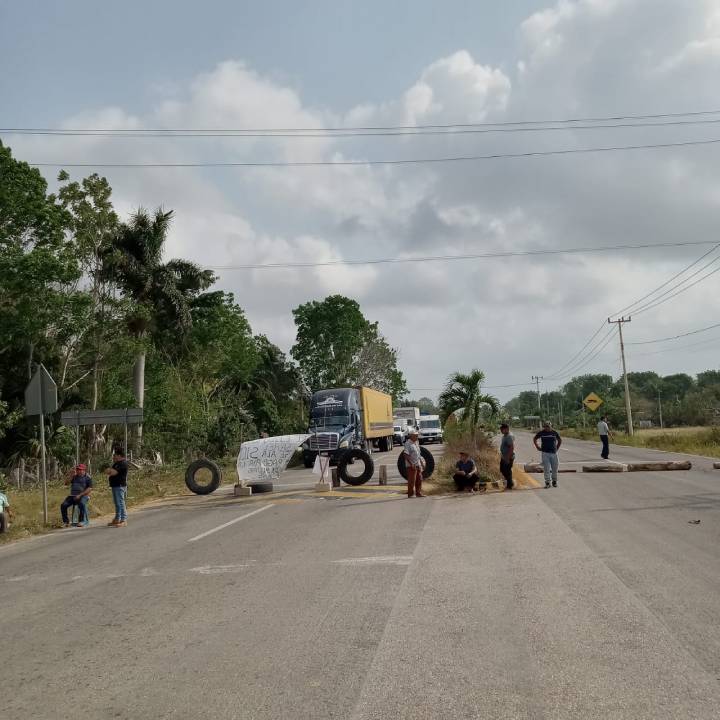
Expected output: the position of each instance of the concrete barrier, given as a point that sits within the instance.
(604, 468)
(654, 466)
(382, 477)
(538, 468)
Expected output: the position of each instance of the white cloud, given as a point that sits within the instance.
(512, 317)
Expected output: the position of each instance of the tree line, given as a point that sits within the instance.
(679, 398)
(93, 298)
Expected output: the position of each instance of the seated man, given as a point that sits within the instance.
(466, 474)
(5, 513)
(80, 488)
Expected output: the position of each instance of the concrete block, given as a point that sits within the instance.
(242, 491)
(533, 468)
(603, 468)
(323, 487)
(663, 465)
(382, 477)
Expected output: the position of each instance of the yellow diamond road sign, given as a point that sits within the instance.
(592, 402)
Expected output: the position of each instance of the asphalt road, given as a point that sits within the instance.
(597, 599)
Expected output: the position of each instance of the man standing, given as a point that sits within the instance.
(413, 465)
(605, 435)
(80, 488)
(548, 442)
(118, 484)
(507, 455)
(466, 474)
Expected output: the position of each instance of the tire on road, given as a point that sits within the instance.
(197, 487)
(429, 463)
(260, 487)
(350, 457)
(3, 522)
(385, 444)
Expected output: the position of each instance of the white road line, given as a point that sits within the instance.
(231, 522)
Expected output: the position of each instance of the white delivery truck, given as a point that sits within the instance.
(430, 429)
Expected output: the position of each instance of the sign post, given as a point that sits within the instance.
(40, 399)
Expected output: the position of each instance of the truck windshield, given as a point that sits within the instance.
(322, 420)
(429, 423)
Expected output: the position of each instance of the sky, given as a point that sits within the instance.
(281, 64)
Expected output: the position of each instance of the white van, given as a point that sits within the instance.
(430, 429)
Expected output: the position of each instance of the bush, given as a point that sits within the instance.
(479, 445)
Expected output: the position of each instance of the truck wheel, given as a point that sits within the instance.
(385, 444)
(260, 487)
(3, 522)
(308, 463)
(429, 463)
(197, 486)
(348, 458)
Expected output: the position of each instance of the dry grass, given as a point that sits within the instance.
(144, 485)
(691, 440)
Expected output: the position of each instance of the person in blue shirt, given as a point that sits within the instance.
(80, 488)
(548, 442)
(466, 474)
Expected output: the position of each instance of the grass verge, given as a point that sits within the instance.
(144, 485)
(694, 441)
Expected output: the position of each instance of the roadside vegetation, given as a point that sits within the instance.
(694, 441)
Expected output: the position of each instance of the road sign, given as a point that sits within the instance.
(122, 416)
(41, 393)
(592, 402)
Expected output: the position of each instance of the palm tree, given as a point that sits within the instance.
(161, 293)
(464, 392)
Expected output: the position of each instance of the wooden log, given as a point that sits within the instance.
(335, 477)
(533, 468)
(663, 465)
(603, 468)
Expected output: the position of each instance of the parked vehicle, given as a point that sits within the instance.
(400, 431)
(430, 429)
(344, 419)
(410, 414)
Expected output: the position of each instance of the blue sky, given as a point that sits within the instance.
(337, 53)
(321, 64)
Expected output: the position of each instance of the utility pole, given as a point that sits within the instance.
(660, 409)
(620, 322)
(537, 379)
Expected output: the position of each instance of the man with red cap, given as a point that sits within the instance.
(80, 488)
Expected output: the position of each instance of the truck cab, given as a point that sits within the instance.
(430, 429)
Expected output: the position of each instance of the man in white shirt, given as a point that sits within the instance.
(605, 435)
(413, 465)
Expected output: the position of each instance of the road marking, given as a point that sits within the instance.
(217, 569)
(377, 560)
(227, 524)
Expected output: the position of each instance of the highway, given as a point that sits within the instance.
(597, 599)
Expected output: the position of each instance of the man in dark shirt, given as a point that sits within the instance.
(80, 488)
(548, 442)
(507, 455)
(466, 474)
(117, 475)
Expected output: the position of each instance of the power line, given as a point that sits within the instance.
(408, 161)
(589, 357)
(349, 133)
(435, 258)
(506, 123)
(675, 337)
(675, 294)
(572, 360)
(702, 343)
(667, 282)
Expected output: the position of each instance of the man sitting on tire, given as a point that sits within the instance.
(414, 464)
(5, 513)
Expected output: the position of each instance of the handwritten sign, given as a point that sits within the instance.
(266, 458)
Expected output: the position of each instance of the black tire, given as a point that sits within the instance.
(429, 463)
(198, 488)
(384, 445)
(349, 457)
(3, 522)
(260, 487)
(308, 463)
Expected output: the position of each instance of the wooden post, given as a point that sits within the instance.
(335, 478)
(383, 475)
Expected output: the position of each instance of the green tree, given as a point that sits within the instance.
(337, 346)
(464, 392)
(161, 293)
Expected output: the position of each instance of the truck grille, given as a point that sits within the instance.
(324, 441)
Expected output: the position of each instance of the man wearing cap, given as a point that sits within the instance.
(413, 465)
(80, 488)
(466, 474)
